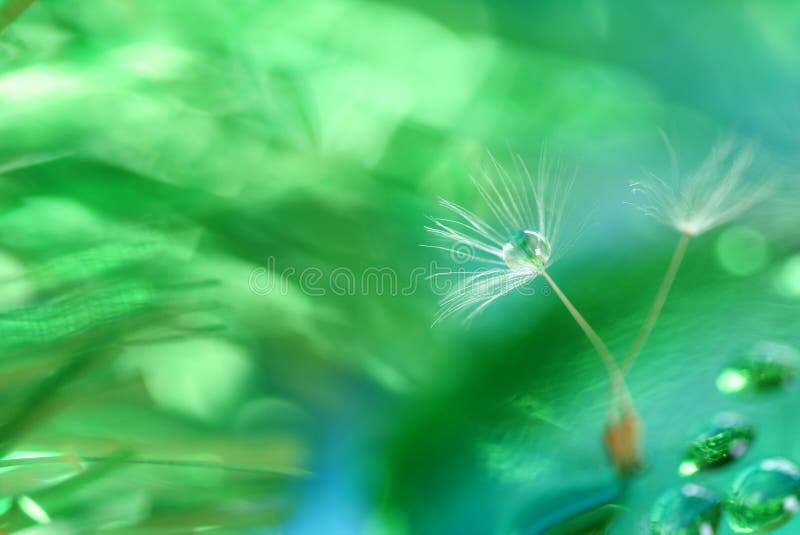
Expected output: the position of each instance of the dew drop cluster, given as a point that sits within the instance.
(765, 494)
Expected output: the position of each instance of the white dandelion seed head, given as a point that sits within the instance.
(513, 246)
(713, 194)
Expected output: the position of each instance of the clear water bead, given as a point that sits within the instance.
(527, 251)
(689, 510)
(769, 366)
(570, 511)
(596, 520)
(727, 439)
(764, 496)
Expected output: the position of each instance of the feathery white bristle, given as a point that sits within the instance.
(715, 193)
(516, 203)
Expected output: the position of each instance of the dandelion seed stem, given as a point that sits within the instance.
(658, 303)
(622, 429)
(618, 388)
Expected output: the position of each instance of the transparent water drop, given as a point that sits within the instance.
(764, 496)
(727, 439)
(689, 510)
(527, 251)
(597, 520)
(572, 511)
(768, 366)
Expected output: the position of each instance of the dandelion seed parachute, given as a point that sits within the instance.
(713, 194)
(515, 248)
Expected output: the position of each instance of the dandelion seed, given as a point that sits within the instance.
(515, 248)
(715, 193)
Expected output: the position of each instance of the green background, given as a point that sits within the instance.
(155, 154)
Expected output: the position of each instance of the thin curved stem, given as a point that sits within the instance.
(622, 432)
(618, 387)
(12, 10)
(658, 303)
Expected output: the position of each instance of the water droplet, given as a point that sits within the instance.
(527, 251)
(764, 496)
(596, 520)
(727, 439)
(767, 367)
(689, 510)
(574, 511)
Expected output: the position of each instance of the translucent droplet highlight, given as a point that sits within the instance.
(689, 510)
(728, 438)
(764, 496)
(768, 366)
(527, 251)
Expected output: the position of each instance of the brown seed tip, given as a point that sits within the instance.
(623, 442)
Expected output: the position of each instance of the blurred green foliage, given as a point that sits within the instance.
(155, 155)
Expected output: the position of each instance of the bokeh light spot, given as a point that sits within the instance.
(15, 288)
(741, 250)
(788, 280)
(731, 381)
(35, 511)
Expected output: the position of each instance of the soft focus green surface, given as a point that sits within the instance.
(162, 161)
